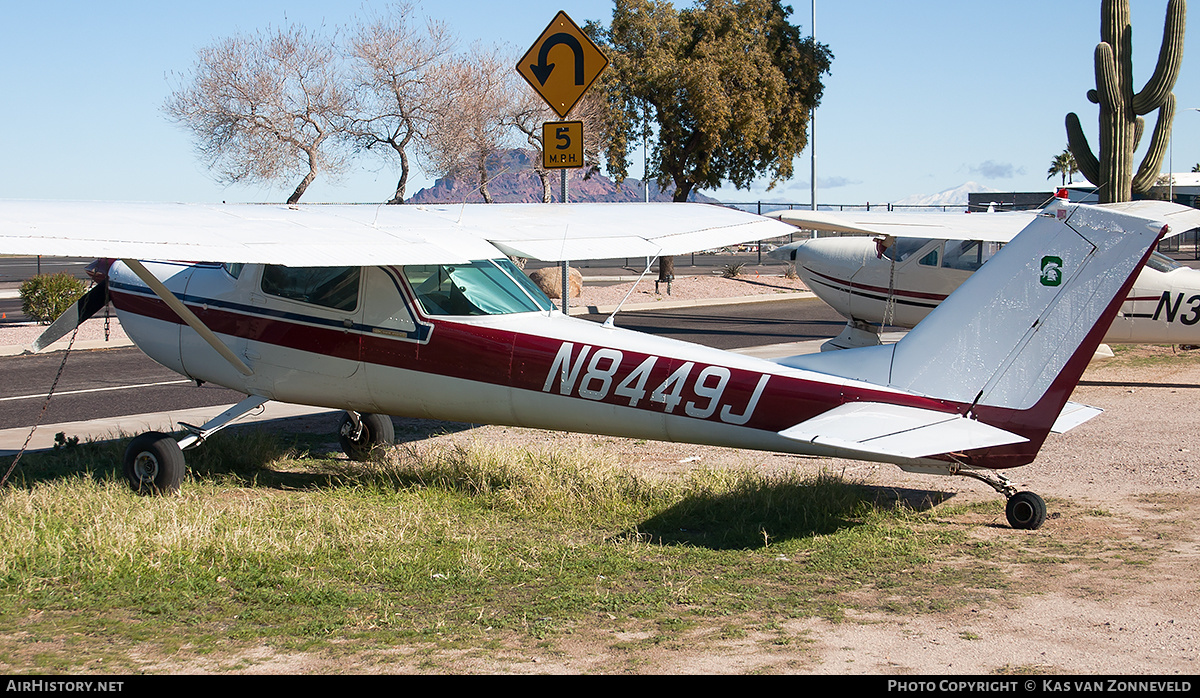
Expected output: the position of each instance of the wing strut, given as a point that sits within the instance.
(187, 316)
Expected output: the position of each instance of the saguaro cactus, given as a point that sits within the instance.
(1121, 110)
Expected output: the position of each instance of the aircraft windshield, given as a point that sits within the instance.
(485, 287)
(1161, 262)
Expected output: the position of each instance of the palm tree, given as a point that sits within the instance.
(1063, 164)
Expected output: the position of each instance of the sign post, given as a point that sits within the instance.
(561, 66)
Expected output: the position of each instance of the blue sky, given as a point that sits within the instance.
(923, 96)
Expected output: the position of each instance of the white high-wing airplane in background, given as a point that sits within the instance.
(416, 311)
(900, 266)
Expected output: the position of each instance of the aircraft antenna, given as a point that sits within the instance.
(565, 267)
(649, 263)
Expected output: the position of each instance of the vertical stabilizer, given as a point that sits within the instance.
(1005, 336)
(1008, 346)
(1013, 341)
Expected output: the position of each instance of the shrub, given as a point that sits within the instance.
(45, 297)
(732, 271)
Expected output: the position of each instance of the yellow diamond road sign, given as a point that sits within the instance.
(562, 64)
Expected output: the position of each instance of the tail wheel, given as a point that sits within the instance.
(1026, 510)
(154, 464)
(377, 431)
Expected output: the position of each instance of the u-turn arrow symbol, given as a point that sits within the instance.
(541, 70)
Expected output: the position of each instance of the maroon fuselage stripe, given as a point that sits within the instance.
(939, 297)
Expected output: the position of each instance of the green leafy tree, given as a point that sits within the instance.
(45, 297)
(724, 90)
(1063, 164)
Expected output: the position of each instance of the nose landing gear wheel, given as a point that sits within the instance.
(359, 437)
(154, 464)
(1026, 510)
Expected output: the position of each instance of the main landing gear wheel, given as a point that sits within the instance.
(154, 464)
(1026, 510)
(359, 435)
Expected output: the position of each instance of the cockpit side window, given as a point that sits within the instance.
(907, 247)
(329, 287)
(968, 255)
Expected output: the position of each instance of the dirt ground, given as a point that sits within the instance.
(1139, 461)
(1118, 613)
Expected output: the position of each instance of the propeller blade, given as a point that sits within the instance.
(87, 305)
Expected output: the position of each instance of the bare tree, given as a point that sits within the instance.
(398, 81)
(266, 107)
(530, 112)
(474, 122)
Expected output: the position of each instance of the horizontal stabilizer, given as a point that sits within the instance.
(1073, 414)
(897, 431)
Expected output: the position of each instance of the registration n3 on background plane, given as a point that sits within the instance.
(416, 311)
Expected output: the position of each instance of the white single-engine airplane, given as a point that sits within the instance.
(410, 310)
(908, 263)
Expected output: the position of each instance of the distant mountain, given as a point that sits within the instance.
(518, 183)
(950, 197)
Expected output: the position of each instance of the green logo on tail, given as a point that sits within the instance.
(1052, 271)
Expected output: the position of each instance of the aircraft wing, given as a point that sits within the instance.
(1180, 218)
(559, 232)
(990, 227)
(370, 235)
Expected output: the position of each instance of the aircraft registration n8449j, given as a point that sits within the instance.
(900, 266)
(416, 311)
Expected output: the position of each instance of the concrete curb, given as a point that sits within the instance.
(108, 428)
(668, 304)
(19, 350)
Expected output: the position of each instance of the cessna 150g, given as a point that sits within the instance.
(408, 310)
(909, 262)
